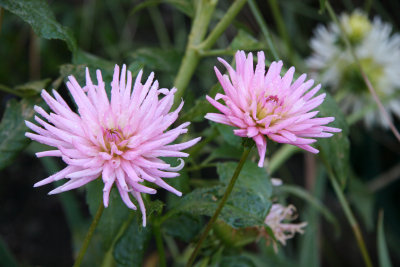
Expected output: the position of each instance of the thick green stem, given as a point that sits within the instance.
(89, 235)
(204, 11)
(222, 25)
(263, 26)
(160, 244)
(228, 191)
(352, 220)
(196, 46)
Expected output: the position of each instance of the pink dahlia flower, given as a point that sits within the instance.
(120, 140)
(267, 105)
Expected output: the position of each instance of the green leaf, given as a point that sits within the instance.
(335, 151)
(225, 152)
(251, 177)
(201, 106)
(383, 252)
(38, 14)
(32, 88)
(185, 6)
(12, 128)
(183, 226)
(244, 207)
(113, 216)
(131, 247)
(226, 132)
(245, 41)
(157, 59)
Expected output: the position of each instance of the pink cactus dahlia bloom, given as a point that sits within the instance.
(267, 105)
(120, 140)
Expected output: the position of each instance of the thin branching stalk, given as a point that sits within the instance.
(224, 198)
(89, 235)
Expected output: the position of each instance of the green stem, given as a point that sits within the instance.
(263, 26)
(228, 191)
(196, 44)
(222, 24)
(89, 235)
(159, 243)
(204, 11)
(352, 220)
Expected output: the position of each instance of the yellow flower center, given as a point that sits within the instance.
(358, 25)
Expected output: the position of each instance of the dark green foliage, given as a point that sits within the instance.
(131, 247)
(38, 14)
(12, 128)
(244, 207)
(335, 151)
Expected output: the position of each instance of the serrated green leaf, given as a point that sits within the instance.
(131, 247)
(183, 226)
(335, 151)
(38, 14)
(12, 128)
(245, 41)
(158, 59)
(244, 208)
(251, 176)
(383, 252)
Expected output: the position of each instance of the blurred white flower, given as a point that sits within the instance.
(279, 220)
(379, 55)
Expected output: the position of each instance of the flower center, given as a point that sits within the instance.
(268, 107)
(114, 141)
(113, 135)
